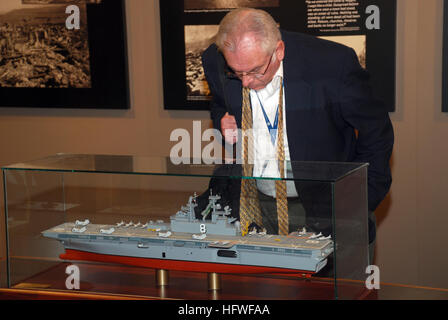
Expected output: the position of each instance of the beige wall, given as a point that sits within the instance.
(412, 242)
(413, 219)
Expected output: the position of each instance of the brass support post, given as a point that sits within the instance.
(214, 282)
(161, 277)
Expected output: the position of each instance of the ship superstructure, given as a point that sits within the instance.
(220, 223)
(191, 244)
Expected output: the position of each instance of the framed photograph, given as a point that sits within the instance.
(63, 54)
(189, 26)
(445, 59)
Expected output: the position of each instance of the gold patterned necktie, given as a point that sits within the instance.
(249, 205)
(280, 185)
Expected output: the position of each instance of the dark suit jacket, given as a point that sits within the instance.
(327, 97)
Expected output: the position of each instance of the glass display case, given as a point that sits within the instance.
(145, 227)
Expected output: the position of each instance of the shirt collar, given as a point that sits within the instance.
(275, 84)
(277, 80)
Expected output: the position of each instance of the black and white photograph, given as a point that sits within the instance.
(68, 2)
(37, 49)
(357, 43)
(187, 30)
(197, 39)
(445, 60)
(207, 5)
(61, 54)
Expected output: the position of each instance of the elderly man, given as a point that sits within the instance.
(313, 92)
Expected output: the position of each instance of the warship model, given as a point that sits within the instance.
(187, 243)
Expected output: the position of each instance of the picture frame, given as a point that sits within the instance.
(184, 22)
(445, 59)
(47, 65)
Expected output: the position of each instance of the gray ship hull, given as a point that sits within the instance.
(215, 253)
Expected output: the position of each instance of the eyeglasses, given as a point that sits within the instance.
(238, 75)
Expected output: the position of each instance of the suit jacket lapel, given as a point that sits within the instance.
(234, 91)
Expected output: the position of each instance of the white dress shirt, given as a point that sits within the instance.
(265, 153)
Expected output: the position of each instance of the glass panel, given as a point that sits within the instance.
(35, 201)
(101, 213)
(3, 256)
(351, 234)
(309, 171)
(108, 199)
(316, 199)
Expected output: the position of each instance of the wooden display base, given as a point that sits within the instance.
(106, 281)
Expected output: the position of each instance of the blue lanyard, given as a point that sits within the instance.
(272, 129)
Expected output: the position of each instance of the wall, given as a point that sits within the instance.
(411, 242)
(27, 134)
(412, 220)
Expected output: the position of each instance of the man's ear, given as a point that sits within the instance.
(280, 50)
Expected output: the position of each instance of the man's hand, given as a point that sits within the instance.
(229, 129)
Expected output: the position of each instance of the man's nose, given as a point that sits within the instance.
(246, 80)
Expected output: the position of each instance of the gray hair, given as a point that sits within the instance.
(248, 21)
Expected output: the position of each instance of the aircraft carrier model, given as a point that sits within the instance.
(186, 243)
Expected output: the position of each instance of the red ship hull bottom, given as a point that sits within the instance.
(177, 265)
